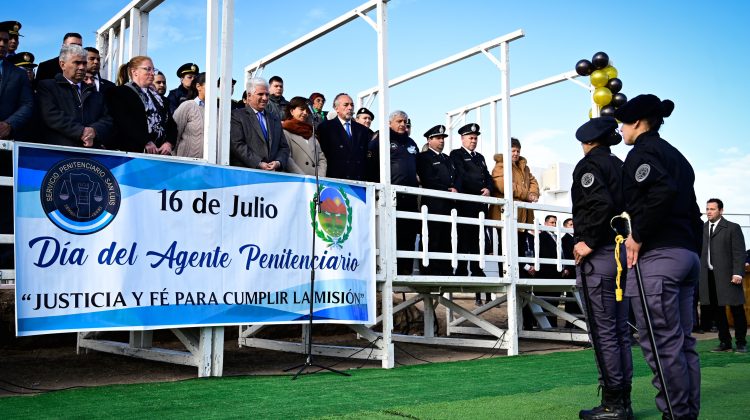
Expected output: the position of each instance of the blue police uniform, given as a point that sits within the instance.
(660, 198)
(403, 172)
(472, 177)
(597, 197)
(436, 172)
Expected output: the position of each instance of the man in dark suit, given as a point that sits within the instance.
(16, 109)
(93, 66)
(73, 113)
(48, 69)
(344, 142)
(722, 268)
(257, 140)
(436, 172)
(473, 178)
(548, 249)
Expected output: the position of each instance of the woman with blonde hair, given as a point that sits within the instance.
(142, 120)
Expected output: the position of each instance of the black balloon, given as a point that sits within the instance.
(614, 85)
(600, 60)
(619, 99)
(584, 67)
(607, 111)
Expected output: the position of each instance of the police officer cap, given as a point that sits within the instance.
(436, 131)
(364, 110)
(644, 106)
(24, 59)
(11, 26)
(187, 68)
(602, 130)
(469, 129)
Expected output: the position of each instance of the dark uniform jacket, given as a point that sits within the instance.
(177, 96)
(347, 158)
(129, 115)
(249, 148)
(403, 160)
(659, 195)
(472, 176)
(16, 98)
(596, 193)
(64, 114)
(436, 172)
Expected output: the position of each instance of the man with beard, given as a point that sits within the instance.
(93, 66)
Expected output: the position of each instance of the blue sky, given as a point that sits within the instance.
(694, 53)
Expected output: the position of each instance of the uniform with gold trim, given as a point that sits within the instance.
(24, 60)
(436, 172)
(180, 93)
(472, 177)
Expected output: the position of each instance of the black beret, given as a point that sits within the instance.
(22, 59)
(188, 68)
(436, 131)
(469, 129)
(644, 106)
(364, 110)
(11, 26)
(602, 130)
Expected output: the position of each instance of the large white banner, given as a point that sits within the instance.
(109, 241)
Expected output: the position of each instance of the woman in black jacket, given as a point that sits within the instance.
(141, 117)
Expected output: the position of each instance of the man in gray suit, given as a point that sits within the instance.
(256, 139)
(722, 267)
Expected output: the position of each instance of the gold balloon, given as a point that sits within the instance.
(611, 72)
(602, 96)
(599, 78)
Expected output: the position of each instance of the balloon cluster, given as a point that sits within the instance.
(604, 79)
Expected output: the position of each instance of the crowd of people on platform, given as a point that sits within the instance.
(67, 102)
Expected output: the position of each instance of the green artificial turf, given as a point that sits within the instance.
(526, 387)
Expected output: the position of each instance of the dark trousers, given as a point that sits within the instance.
(6, 211)
(468, 243)
(719, 313)
(439, 240)
(669, 276)
(406, 233)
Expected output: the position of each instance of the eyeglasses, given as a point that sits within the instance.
(147, 69)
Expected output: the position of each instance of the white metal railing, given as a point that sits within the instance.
(7, 275)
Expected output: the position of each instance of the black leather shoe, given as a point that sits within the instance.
(741, 348)
(721, 348)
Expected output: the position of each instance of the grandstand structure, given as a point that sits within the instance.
(126, 35)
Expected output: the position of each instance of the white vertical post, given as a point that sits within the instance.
(143, 38)
(389, 241)
(210, 117)
(227, 45)
(493, 128)
(511, 237)
(111, 64)
(121, 51)
(135, 33)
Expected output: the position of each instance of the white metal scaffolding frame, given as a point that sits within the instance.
(205, 345)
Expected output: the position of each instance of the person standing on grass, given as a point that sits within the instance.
(597, 197)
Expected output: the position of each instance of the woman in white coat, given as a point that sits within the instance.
(306, 154)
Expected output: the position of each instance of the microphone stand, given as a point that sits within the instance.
(316, 198)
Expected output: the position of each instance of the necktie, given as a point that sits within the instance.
(473, 154)
(710, 234)
(262, 121)
(348, 129)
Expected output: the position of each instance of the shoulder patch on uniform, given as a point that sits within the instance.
(642, 172)
(587, 180)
